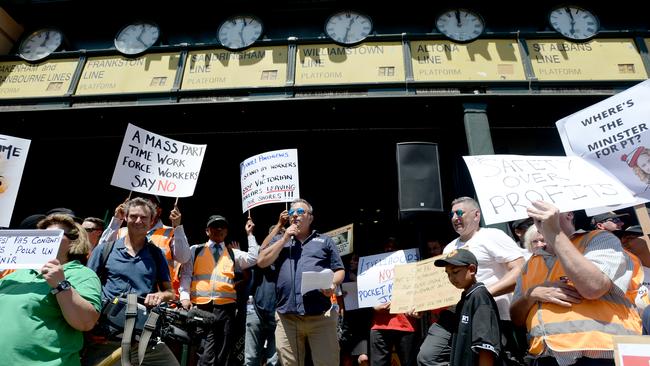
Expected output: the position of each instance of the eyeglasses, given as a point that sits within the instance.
(299, 211)
(90, 230)
(615, 220)
(458, 213)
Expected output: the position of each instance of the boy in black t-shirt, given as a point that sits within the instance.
(478, 315)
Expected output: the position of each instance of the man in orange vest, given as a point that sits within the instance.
(208, 282)
(572, 295)
(170, 239)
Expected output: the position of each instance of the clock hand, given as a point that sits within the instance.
(458, 18)
(241, 33)
(573, 21)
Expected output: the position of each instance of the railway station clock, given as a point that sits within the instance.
(460, 25)
(239, 32)
(348, 27)
(137, 37)
(40, 44)
(574, 22)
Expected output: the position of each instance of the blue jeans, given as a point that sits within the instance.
(258, 332)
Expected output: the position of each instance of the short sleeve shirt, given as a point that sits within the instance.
(34, 331)
(478, 327)
(316, 253)
(138, 274)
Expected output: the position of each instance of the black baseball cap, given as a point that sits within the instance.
(634, 229)
(459, 257)
(65, 211)
(214, 220)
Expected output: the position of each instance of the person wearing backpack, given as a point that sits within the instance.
(132, 264)
(208, 282)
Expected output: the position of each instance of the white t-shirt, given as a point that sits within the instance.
(493, 249)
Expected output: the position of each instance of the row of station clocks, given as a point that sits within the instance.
(345, 28)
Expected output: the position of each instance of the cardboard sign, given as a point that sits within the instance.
(28, 248)
(13, 154)
(269, 177)
(343, 239)
(154, 164)
(507, 184)
(422, 286)
(375, 275)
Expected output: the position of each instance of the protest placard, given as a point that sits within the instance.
(28, 248)
(507, 184)
(154, 164)
(613, 135)
(13, 154)
(343, 239)
(422, 286)
(269, 177)
(632, 350)
(375, 275)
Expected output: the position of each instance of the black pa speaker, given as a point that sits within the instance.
(419, 178)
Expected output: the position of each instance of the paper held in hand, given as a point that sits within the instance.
(316, 280)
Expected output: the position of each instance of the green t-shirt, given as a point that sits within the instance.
(31, 323)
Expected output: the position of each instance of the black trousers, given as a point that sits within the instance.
(382, 342)
(216, 347)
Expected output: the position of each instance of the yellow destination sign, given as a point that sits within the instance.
(598, 59)
(47, 79)
(489, 60)
(366, 63)
(222, 69)
(117, 74)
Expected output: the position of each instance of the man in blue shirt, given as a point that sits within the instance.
(134, 265)
(304, 317)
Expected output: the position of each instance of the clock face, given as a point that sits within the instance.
(136, 38)
(239, 32)
(40, 44)
(348, 27)
(574, 22)
(460, 25)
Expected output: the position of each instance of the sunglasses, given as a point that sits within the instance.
(299, 211)
(458, 213)
(90, 230)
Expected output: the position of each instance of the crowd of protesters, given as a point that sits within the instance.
(554, 296)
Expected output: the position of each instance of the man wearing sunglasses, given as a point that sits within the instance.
(499, 261)
(609, 221)
(307, 317)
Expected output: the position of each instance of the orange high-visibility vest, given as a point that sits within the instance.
(213, 281)
(162, 238)
(636, 281)
(588, 325)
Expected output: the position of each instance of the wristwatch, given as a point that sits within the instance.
(62, 286)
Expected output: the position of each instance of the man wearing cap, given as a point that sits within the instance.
(572, 296)
(609, 221)
(208, 282)
(170, 239)
(500, 261)
(309, 317)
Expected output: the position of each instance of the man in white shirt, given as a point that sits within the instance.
(500, 261)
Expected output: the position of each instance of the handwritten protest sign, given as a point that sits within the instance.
(632, 350)
(507, 184)
(613, 134)
(342, 238)
(269, 177)
(13, 154)
(151, 163)
(28, 248)
(422, 286)
(375, 275)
